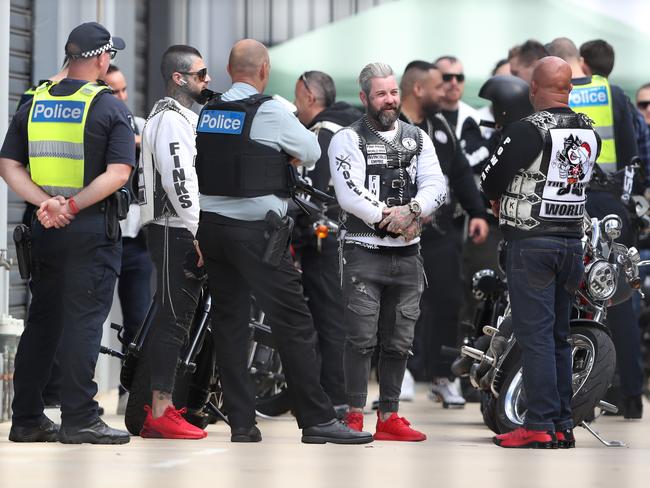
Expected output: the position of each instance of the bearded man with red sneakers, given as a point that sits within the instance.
(528, 179)
(386, 175)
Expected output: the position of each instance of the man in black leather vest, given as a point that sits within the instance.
(244, 142)
(442, 238)
(386, 175)
(536, 180)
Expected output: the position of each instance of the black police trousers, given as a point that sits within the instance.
(233, 250)
(73, 277)
(621, 319)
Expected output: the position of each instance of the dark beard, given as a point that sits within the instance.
(383, 119)
(431, 108)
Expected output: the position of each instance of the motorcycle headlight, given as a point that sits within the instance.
(484, 282)
(601, 280)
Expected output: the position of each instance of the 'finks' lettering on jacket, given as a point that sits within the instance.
(178, 176)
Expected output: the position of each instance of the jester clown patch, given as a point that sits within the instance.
(573, 162)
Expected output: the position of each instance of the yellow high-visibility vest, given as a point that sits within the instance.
(55, 130)
(595, 101)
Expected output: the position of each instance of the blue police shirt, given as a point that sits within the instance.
(272, 126)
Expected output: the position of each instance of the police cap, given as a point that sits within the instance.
(91, 39)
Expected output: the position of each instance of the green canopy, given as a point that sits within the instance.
(479, 32)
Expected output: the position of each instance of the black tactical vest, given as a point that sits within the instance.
(549, 197)
(391, 168)
(228, 162)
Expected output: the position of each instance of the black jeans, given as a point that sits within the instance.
(621, 319)
(383, 294)
(73, 278)
(178, 282)
(543, 275)
(232, 250)
(440, 304)
(325, 300)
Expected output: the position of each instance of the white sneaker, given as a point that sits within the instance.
(447, 392)
(408, 388)
(122, 400)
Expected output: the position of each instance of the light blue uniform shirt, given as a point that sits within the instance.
(272, 126)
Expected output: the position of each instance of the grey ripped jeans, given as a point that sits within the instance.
(382, 290)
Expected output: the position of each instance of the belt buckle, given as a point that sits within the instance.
(390, 200)
(401, 183)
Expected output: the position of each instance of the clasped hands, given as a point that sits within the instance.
(55, 212)
(400, 220)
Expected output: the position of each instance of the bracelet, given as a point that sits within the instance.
(195, 242)
(73, 206)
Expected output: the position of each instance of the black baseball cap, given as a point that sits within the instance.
(91, 39)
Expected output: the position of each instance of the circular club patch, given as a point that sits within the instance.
(441, 137)
(409, 143)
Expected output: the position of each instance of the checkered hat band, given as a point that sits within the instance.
(98, 51)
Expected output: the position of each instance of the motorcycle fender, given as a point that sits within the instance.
(590, 324)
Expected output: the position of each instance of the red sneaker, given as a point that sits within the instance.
(354, 420)
(396, 428)
(522, 438)
(171, 425)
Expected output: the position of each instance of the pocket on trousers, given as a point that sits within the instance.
(575, 274)
(362, 309)
(410, 313)
(539, 266)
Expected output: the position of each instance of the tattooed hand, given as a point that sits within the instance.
(396, 219)
(412, 231)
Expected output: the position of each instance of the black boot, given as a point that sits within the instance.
(632, 407)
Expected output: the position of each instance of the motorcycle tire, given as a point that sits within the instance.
(488, 409)
(274, 405)
(591, 345)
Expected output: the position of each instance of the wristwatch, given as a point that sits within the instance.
(415, 208)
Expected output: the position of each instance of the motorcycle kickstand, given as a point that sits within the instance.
(612, 443)
(215, 410)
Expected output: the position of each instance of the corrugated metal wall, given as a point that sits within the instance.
(20, 78)
(139, 93)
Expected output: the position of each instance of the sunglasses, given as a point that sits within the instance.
(643, 104)
(200, 74)
(112, 53)
(460, 77)
(303, 78)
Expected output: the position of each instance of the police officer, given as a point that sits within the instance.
(76, 139)
(244, 143)
(607, 106)
(422, 88)
(539, 158)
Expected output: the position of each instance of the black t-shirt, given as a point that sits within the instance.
(108, 137)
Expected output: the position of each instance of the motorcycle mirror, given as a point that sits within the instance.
(612, 226)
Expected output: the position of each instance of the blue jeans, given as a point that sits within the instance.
(543, 274)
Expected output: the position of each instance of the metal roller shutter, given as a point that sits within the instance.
(20, 79)
(140, 104)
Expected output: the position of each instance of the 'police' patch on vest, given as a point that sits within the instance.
(595, 95)
(58, 111)
(221, 122)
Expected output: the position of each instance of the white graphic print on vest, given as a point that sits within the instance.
(573, 156)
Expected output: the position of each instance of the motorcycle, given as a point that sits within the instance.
(493, 360)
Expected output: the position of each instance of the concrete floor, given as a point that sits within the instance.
(457, 453)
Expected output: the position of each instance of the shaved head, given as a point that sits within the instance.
(246, 58)
(551, 83)
(564, 48)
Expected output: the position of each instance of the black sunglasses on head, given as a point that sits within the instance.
(303, 78)
(643, 104)
(460, 77)
(200, 74)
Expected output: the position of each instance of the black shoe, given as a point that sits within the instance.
(47, 431)
(335, 432)
(245, 434)
(100, 411)
(632, 407)
(565, 439)
(97, 432)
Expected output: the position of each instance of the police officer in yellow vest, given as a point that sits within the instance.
(68, 152)
(607, 106)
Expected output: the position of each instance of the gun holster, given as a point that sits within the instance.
(279, 235)
(23, 242)
(117, 208)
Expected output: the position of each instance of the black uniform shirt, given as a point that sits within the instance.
(108, 137)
